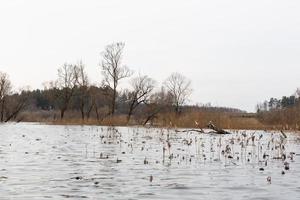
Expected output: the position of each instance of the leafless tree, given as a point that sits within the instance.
(113, 70)
(159, 102)
(5, 90)
(297, 93)
(142, 87)
(92, 91)
(98, 102)
(83, 86)
(179, 87)
(66, 82)
(10, 104)
(16, 103)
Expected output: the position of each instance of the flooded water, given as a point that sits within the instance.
(77, 162)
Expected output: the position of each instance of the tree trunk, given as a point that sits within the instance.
(62, 112)
(97, 113)
(67, 100)
(113, 101)
(82, 110)
(88, 113)
(177, 109)
(130, 111)
(2, 109)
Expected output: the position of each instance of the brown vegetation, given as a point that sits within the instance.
(202, 118)
(196, 119)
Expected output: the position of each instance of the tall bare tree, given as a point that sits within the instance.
(113, 70)
(142, 87)
(5, 90)
(179, 87)
(66, 82)
(83, 86)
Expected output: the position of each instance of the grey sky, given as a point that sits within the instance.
(237, 53)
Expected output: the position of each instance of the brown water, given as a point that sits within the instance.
(77, 162)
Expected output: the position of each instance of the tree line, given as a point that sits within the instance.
(284, 102)
(284, 112)
(72, 93)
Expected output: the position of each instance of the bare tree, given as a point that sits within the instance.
(5, 90)
(179, 87)
(142, 87)
(16, 103)
(83, 86)
(66, 82)
(99, 101)
(160, 102)
(92, 102)
(113, 70)
(10, 104)
(297, 93)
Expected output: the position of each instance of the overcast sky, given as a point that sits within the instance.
(237, 53)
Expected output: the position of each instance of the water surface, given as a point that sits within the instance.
(91, 162)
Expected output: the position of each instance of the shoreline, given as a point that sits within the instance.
(92, 123)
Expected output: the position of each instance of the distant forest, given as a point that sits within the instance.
(284, 111)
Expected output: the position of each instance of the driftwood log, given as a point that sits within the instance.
(216, 129)
(210, 125)
(190, 130)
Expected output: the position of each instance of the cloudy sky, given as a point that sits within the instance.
(237, 53)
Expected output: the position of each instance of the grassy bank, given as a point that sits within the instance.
(184, 120)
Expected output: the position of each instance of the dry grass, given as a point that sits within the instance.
(286, 119)
(108, 121)
(223, 120)
(185, 120)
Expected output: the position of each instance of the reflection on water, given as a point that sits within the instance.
(78, 162)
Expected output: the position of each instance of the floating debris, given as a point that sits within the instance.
(146, 161)
(151, 178)
(286, 166)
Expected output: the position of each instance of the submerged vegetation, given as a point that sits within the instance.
(93, 161)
